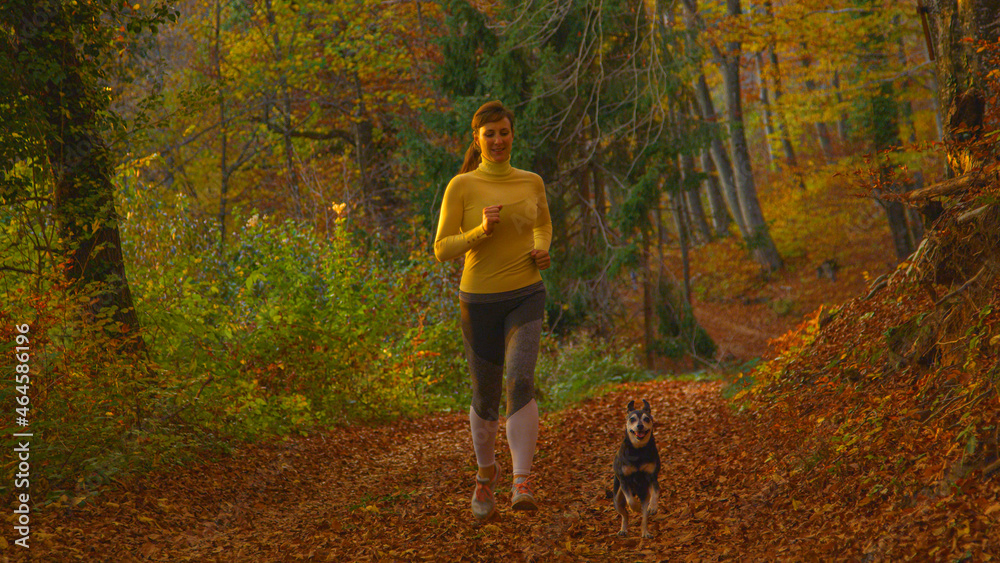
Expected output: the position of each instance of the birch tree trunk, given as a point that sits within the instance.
(716, 203)
(689, 186)
(786, 141)
(719, 155)
(822, 131)
(765, 102)
(760, 243)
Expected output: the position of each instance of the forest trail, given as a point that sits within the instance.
(731, 490)
(399, 492)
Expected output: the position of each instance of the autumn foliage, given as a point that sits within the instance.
(297, 387)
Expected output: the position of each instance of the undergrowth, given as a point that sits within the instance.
(891, 399)
(580, 367)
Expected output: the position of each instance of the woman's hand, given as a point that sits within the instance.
(491, 216)
(541, 258)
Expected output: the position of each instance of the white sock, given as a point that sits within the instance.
(484, 437)
(522, 434)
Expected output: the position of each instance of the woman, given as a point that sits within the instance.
(497, 216)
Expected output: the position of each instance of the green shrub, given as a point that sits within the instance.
(577, 368)
(287, 328)
(281, 329)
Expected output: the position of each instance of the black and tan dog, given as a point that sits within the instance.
(637, 467)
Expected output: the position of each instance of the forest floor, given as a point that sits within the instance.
(740, 486)
(400, 492)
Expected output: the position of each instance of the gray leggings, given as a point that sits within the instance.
(502, 330)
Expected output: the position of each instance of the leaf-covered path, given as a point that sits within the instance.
(400, 492)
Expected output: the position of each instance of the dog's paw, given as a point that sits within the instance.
(622, 533)
(647, 535)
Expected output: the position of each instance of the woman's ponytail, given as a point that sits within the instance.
(472, 158)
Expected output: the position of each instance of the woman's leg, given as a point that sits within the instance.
(523, 329)
(482, 331)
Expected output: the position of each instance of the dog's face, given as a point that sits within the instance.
(639, 424)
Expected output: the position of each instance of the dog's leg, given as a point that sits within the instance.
(645, 519)
(654, 498)
(622, 508)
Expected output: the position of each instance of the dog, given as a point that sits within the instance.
(637, 468)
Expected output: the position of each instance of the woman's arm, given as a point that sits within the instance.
(543, 223)
(451, 242)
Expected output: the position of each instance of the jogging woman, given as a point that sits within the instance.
(498, 218)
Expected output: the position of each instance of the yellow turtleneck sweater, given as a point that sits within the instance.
(500, 261)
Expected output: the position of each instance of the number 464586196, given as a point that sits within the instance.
(21, 354)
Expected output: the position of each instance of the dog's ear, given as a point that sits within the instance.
(645, 407)
(630, 407)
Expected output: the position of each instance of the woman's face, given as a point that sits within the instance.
(495, 139)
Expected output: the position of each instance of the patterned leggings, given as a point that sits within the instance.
(502, 330)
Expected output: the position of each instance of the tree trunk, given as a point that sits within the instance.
(906, 106)
(765, 103)
(600, 200)
(746, 207)
(683, 228)
(716, 203)
(960, 66)
(223, 128)
(291, 170)
(719, 155)
(362, 148)
(586, 211)
(648, 307)
(822, 131)
(693, 198)
(884, 112)
(760, 243)
(843, 125)
(896, 214)
(914, 217)
(82, 170)
(786, 141)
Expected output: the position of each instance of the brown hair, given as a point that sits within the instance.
(487, 113)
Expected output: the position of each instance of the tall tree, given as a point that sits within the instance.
(58, 57)
(716, 203)
(957, 29)
(727, 57)
(880, 120)
(786, 141)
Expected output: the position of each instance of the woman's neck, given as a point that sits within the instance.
(495, 168)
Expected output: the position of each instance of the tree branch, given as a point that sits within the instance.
(944, 188)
